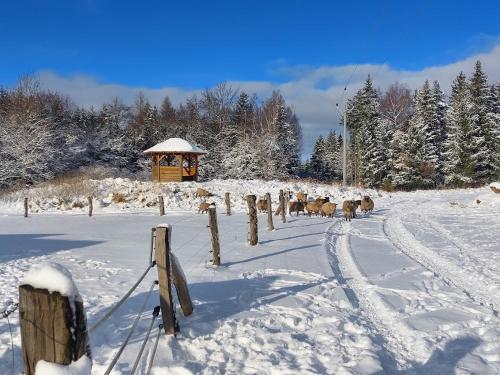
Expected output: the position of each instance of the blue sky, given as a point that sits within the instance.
(177, 48)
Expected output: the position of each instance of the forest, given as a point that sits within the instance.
(407, 140)
(398, 139)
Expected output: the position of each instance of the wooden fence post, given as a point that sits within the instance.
(161, 203)
(162, 255)
(270, 225)
(287, 199)
(228, 204)
(49, 330)
(253, 236)
(282, 206)
(91, 205)
(214, 231)
(26, 207)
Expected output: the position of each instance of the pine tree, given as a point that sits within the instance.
(439, 126)
(316, 168)
(331, 157)
(372, 156)
(420, 142)
(459, 146)
(484, 138)
(242, 161)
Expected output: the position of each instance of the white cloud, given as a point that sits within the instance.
(312, 92)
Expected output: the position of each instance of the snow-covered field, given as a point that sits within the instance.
(411, 288)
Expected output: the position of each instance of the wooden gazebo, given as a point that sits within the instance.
(174, 160)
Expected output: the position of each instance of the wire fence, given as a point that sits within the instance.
(204, 246)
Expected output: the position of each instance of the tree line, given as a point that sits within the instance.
(44, 134)
(404, 140)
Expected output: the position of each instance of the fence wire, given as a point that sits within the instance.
(122, 300)
(156, 312)
(153, 353)
(130, 332)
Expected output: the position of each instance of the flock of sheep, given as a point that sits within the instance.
(319, 206)
(323, 206)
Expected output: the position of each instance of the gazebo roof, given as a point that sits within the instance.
(173, 145)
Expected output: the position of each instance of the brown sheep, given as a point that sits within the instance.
(204, 206)
(367, 204)
(348, 207)
(295, 206)
(313, 208)
(302, 197)
(262, 205)
(328, 209)
(202, 193)
(322, 201)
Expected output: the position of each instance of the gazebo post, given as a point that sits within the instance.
(181, 167)
(196, 167)
(158, 168)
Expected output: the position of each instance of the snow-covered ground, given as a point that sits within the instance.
(411, 288)
(118, 195)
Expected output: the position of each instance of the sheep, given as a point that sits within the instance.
(348, 207)
(357, 204)
(366, 204)
(302, 197)
(295, 206)
(262, 205)
(322, 201)
(204, 206)
(202, 193)
(328, 209)
(313, 208)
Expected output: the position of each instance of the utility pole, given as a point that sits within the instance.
(344, 115)
(344, 169)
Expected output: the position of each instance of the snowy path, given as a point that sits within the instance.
(410, 289)
(432, 303)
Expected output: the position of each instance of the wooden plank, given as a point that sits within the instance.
(162, 257)
(49, 331)
(181, 287)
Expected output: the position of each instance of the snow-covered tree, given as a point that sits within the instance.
(484, 129)
(26, 148)
(459, 164)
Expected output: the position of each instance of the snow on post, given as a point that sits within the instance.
(53, 325)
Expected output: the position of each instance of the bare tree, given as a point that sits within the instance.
(26, 148)
(395, 106)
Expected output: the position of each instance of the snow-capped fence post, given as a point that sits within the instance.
(161, 203)
(53, 324)
(214, 231)
(228, 204)
(162, 257)
(270, 225)
(91, 205)
(26, 207)
(253, 237)
(282, 206)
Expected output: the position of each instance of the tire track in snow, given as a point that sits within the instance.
(448, 272)
(395, 353)
(464, 249)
